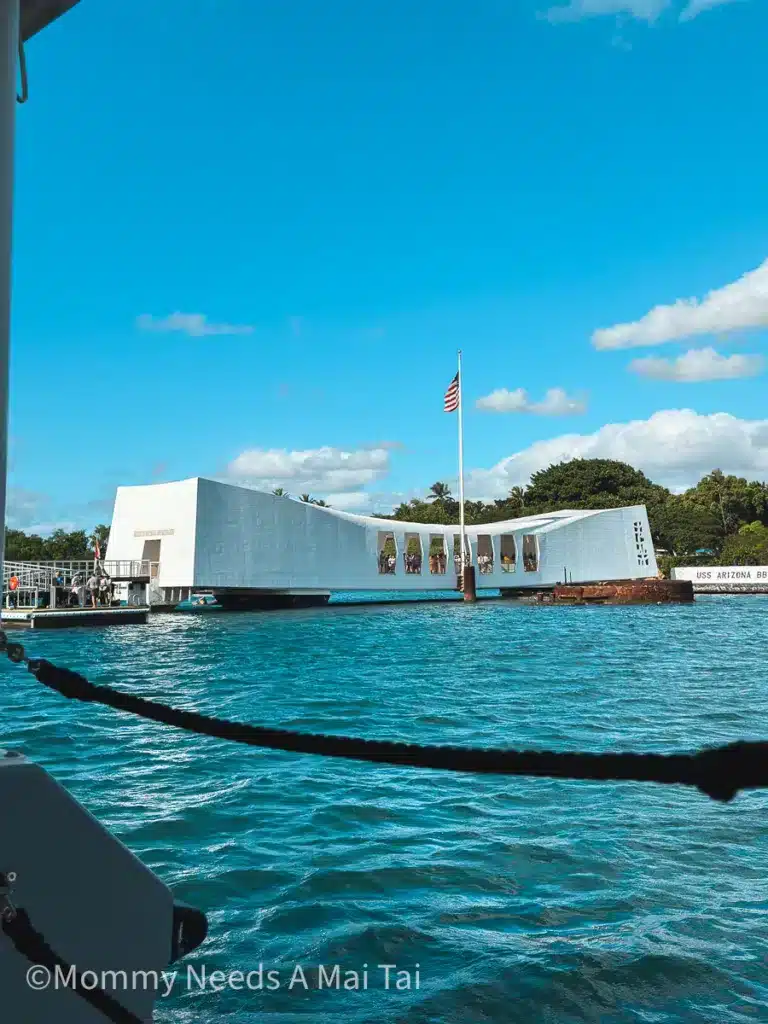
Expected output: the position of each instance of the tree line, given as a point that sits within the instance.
(723, 519)
(59, 547)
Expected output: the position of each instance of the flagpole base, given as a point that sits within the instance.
(470, 592)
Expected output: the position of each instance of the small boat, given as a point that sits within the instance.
(198, 603)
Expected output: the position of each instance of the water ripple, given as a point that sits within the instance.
(519, 900)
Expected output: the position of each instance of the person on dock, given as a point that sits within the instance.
(93, 588)
(77, 592)
(105, 591)
(60, 593)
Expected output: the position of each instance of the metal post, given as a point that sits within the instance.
(9, 48)
(467, 569)
(462, 531)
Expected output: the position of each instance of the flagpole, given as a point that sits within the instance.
(461, 470)
(467, 569)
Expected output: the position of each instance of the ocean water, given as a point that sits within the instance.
(519, 900)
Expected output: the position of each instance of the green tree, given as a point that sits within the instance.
(439, 492)
(59, 547)
(590, 483)
(415, 511)
(101, 534)
(596, 483)
(22, 547)
(752, 528)
(475, 512)
(747, 547)
(684, 529)
(733, 499)
(280, 492)
(515, 502)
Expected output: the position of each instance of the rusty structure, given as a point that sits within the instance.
(650, 591)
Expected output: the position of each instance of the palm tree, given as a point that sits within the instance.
(517, 497)
(439, 492)
(280, 492)
(307, 498)
(320, 502)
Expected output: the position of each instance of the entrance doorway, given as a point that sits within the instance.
(151, 554)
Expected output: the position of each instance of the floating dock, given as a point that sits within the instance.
(66, 618)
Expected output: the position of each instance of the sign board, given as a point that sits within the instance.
(726, 574)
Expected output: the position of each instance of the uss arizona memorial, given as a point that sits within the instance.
(255, 549)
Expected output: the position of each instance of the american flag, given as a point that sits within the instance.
(451, 403)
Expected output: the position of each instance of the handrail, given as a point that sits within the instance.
(42, 573)
(33, 580)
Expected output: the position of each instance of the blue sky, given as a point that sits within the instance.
(249, 239)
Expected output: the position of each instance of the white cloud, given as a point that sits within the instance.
(34, 513)
(23, 507)
(319, 471)
(555, 403)
(699, 364)
(389, 445)
(196, 325)
(698, 6)
(644, 10)
(737, 306)
(351, 501)
(675, 447)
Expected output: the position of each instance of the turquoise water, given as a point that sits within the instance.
(520, 900)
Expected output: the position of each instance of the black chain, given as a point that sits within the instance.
(29, 942)
(720, 772)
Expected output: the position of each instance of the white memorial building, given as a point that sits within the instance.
(253, 549)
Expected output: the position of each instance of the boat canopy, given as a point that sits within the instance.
(35, 15)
